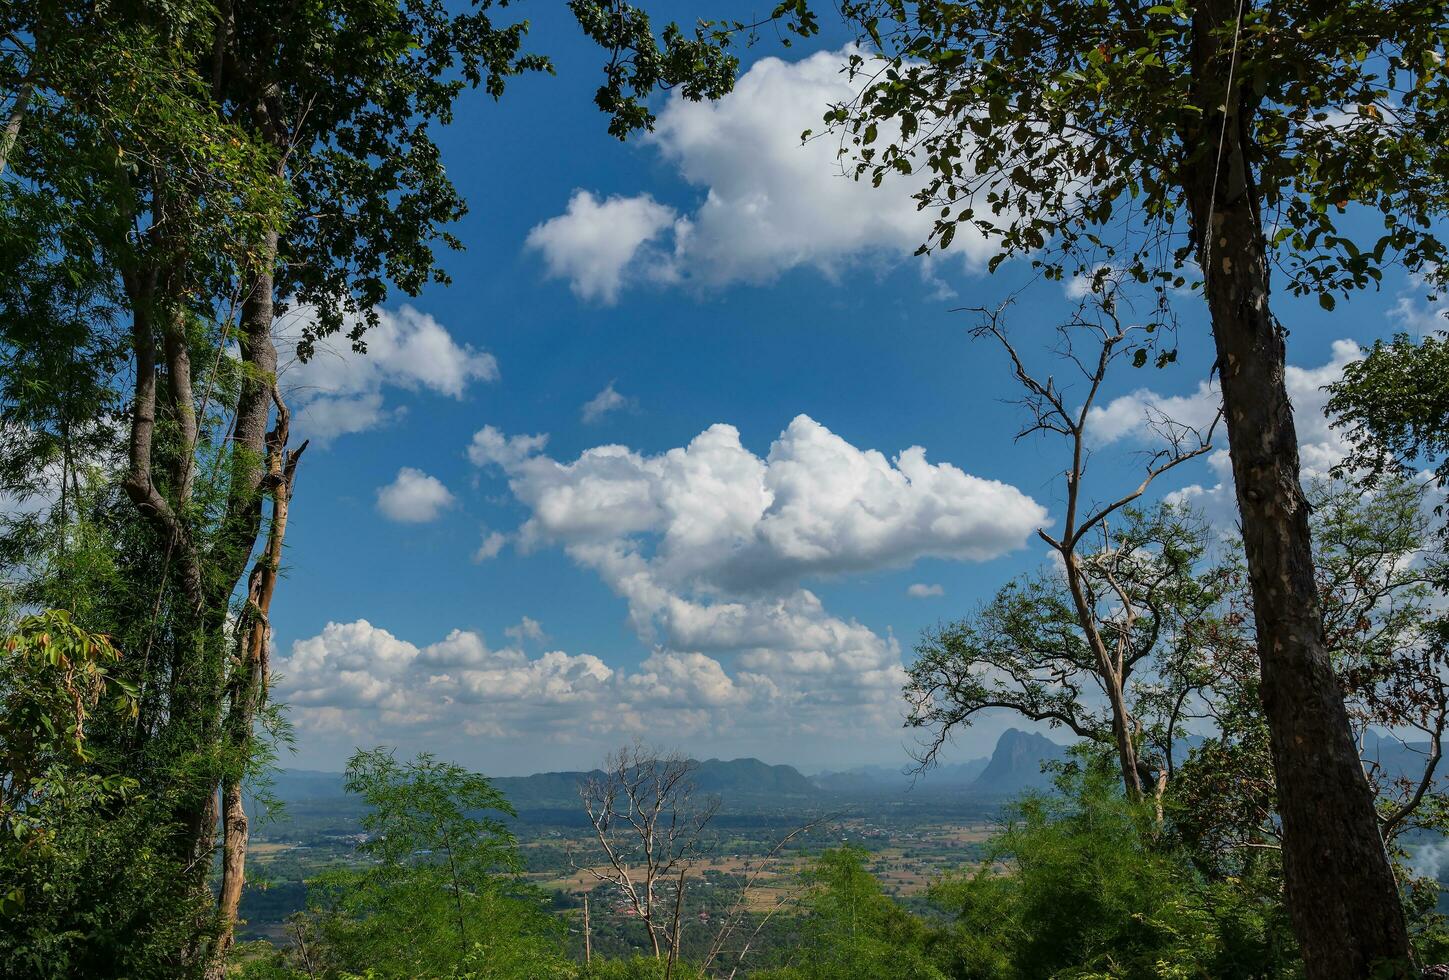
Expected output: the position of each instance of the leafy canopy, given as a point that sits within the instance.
(1075, 131)
(440, 894)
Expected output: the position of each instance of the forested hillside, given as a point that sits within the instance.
(387, 391)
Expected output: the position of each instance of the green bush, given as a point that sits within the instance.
(1085, 885)
(854, 930)
(439, 895)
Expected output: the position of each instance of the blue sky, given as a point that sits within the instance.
(516, 607)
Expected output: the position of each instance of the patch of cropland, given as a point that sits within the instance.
(914, 827)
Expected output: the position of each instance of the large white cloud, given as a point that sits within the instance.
(710, 546)
(722, 519)
(770, 203)
(352, 675)
(340, 391)
(356, 682)
(347, 667)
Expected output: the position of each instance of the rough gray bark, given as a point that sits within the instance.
(1341, 891)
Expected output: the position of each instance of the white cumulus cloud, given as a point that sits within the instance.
(709, 545)
(595, 242)
(491, 446)
(722, 517)
(920, 590)
(340, 391)
(413, 497)
(769, 203)
(352, 679)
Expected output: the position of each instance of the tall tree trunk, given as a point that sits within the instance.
(208, 713)
(1342, 896)
(260, 467)
(139, 482)
(247, 690)
(242, 520)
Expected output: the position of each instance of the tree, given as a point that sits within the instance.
(1193, 691)
(84, 891)
(148, 225)
(1147, 587)
(851, 928)
(1034, 648)
(1232, 136)
(1381, 573)
(176, 176)
(438, 894)
(1393, 407)
(1093, 889)
(647, 818)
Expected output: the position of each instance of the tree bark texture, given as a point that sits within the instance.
(1341, 892)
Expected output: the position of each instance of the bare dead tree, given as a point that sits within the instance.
(1099, 318)
(735, 913)
(588, 934)
(648, 819)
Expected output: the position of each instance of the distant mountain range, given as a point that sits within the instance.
(733, 777)
(1014, 766)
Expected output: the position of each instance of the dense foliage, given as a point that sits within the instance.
(173, 177)
(437, 893)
